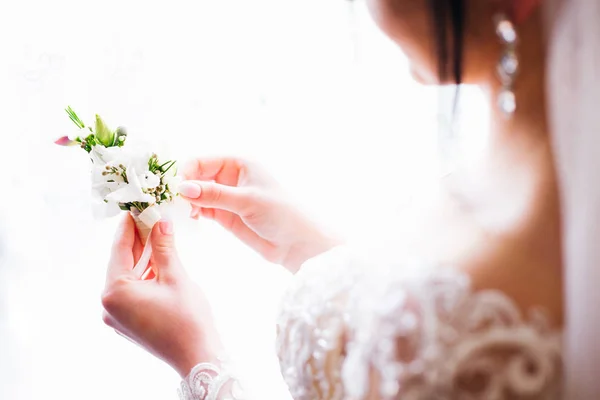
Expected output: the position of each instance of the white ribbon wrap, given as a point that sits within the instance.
(144, 222)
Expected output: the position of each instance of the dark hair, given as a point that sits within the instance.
(449, 16)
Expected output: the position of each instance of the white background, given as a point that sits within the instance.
(309, 88)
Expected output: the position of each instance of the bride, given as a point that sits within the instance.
(472, 305)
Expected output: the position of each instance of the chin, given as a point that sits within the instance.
(423, 78)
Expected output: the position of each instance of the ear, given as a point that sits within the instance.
(524, 8)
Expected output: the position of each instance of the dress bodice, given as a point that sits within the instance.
(349, 329)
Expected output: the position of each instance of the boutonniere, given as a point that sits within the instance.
(124, 178)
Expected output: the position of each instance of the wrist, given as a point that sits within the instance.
(185, 364)
(209, 349)
(302, 252)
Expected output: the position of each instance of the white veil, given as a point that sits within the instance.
(574, 89)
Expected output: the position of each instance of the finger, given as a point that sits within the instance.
(196, 212)
(121, 261)
(235, 225)
(213, 195)
(111, 322)
(210, 212)
(123, 335)
(238, 227)
(138, 248)
(165, 259)
(224, 170)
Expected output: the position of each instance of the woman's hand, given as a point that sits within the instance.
(248, 202)
(168, 315)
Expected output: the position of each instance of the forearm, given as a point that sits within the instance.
(205, 371)
(205, 350)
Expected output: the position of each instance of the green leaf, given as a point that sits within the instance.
(74, 117)
(153, 163)
(104, 135)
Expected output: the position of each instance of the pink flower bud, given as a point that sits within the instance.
(65, 141)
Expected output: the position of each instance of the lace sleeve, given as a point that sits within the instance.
(311, 326)
(348, 331)
(209, 381)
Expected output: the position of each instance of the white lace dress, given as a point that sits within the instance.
(352, 330)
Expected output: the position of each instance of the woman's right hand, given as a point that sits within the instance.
(248, 202)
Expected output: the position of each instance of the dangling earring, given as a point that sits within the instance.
(508, 66)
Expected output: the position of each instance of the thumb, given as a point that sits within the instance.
(164, 254)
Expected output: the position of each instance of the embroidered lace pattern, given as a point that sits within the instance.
(208, 381)
(348, 330)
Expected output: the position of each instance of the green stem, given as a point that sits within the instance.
(165, 171)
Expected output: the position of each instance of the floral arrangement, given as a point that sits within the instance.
(135, 181)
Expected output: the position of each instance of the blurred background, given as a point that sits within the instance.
(309, 88)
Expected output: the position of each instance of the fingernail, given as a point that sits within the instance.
(189, 189)
(166, 227)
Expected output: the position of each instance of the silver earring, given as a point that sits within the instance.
(508, 66)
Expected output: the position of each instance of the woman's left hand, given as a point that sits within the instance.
(167, 315)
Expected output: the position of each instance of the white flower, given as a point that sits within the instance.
(104, 183)
(149, 180)
(173, 183)
(132, 191)
(102, 209)
(103, 155)
(122, 176)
